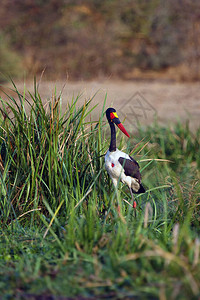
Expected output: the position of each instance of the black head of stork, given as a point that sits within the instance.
(113, 118)
(118, 164)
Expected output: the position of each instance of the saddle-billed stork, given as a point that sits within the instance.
(120, 165)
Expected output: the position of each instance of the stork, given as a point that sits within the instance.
(119, 165)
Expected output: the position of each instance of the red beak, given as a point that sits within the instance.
(121, 127)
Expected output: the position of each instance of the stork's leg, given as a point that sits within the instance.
(113, 203)
(115, 208)
(117, 194)
(118, 208)
(134, 202)
(114, 180)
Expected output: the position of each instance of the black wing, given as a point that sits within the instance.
(131, 167)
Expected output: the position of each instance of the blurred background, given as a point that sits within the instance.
(117, 47)
(138, 39)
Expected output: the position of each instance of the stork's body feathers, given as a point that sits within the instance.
(131, 168)
(119, 165)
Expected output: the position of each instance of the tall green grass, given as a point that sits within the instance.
(61, 233)
(48, 157)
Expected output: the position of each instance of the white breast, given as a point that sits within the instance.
(113, 166)
(116, 170)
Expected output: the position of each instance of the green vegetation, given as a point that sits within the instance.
(61, 233)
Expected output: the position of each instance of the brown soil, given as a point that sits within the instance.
(136, 100)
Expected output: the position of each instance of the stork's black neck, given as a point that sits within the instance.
(112, 147)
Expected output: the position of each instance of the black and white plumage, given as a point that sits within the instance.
(120, 165)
